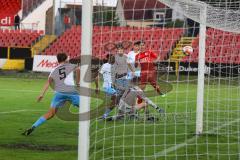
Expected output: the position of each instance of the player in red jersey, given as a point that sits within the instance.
(147, 59)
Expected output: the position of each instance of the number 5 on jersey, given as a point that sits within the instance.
(62, 73)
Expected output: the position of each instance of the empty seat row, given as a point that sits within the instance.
(18, 38)
(9, 7)
(221, 47)
(159, 40)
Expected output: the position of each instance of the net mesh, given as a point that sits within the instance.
(166, 29)
(221, 15)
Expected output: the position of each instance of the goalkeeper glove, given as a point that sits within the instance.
(160, 110)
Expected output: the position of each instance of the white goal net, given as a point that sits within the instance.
(163, 28)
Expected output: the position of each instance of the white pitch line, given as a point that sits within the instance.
(18, 111)
(18, 90)
(178, 146)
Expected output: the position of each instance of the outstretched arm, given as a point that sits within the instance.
(96, 84)
(131, 68)
(44, 90)
(158, 57)
(77, 70)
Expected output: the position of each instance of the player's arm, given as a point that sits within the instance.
(45, 88)
(113, 74)
(97, 84)
(156, 57)
(130, 66)
(77, 70)
(137, 62)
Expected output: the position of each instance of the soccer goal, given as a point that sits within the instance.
(200, 86)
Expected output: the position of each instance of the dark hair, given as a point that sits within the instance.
(119, 45)
(108, 56)
(61, 57)
(137, 43)
(111, 58)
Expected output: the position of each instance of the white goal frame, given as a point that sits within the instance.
(201, 69)
(201, 60)
(83, 140)
(86, 48)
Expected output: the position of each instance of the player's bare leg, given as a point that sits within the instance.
(50, 114)
(157, 88)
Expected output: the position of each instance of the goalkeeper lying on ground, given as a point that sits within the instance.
(128, 103)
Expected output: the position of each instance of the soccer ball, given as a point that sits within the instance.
(187, 50)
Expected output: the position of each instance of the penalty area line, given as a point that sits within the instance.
(178, 146)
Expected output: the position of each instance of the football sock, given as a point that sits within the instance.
(159, 91)
(40, 121)
(107, 112)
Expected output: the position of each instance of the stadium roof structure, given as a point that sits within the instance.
(140, 9)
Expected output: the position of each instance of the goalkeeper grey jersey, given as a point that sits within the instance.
(63, 78)
(121, 65)
(130, 95)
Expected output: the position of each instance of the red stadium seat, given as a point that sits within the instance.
(219, 44)
(71, 39)
(18, 38)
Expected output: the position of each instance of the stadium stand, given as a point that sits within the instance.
(159, 40)
(9, 7)
(18, 38)
(221, 47)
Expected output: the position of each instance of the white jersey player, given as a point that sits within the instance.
(106, 71)
(131, 60)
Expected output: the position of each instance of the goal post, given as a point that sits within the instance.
(201, 61)
(86, 52)
(201, 69)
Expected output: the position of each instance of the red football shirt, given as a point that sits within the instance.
(146, 60)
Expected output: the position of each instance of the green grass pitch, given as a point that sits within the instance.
(172, 137)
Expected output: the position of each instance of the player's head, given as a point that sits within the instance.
(120, 49)
(136, 46)
(142, 46)
(111, 58)
(62, 57)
